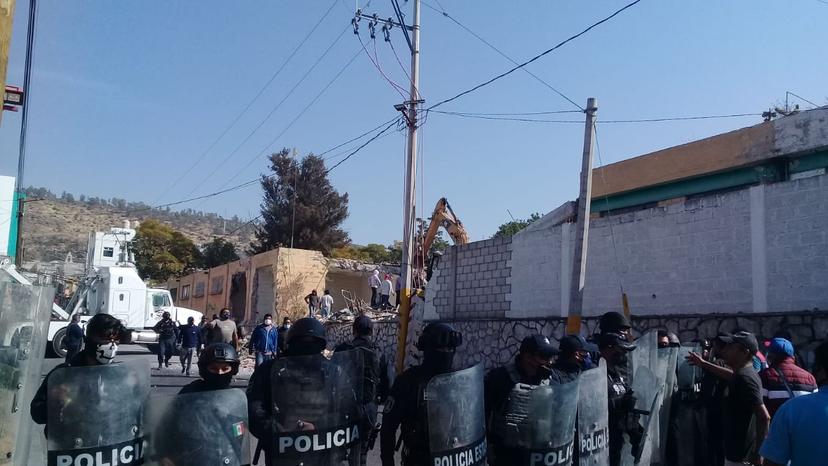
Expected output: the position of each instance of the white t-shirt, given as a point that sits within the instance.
(326, 302)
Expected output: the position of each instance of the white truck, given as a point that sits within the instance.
(112, 286)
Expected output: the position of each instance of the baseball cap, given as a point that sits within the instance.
(746, 339)
(573, 343)
(781, 346)
(614, 339)
(538, 344)
(613, 321)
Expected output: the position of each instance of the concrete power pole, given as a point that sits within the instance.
(409, 196)
(579, 256)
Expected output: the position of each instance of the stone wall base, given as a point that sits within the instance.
(495, 342)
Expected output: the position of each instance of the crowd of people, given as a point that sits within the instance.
(745, 402)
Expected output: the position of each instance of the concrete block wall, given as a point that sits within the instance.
(473, 281)
(758, 249)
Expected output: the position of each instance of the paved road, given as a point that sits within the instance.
(167, 381)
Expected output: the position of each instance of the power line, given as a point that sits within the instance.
(548, 112)
(354, 139)
(802, 99)
(249, 104)
(641, 120)
(296, 118)
(536, 57)
(502, 54)
(394, 85)
(272, 111)
(376, 136)
(256, 180)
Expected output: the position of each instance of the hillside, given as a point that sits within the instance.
(55, 226)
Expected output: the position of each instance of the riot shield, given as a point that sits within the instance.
(318, 416)
(96, 413)
(668, 358)
(198, 429)
(646, 352)
(24, 320)
(687, 375)
(456, 419)
(538, 423)
(593, 421)
(646, 390)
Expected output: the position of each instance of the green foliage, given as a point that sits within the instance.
(511, 228)
(319, 208)
(218, 252)
(161, 252)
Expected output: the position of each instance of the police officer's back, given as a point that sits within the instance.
(622, 416)
(405, 406)
(375, 380)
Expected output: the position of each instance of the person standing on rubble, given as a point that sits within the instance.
(326, 304)
(385, 293)
(312, 300)
(374, 282)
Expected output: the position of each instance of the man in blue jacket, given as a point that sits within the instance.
(264, 341)
(189, 339)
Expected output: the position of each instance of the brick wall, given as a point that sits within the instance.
(473, 281)
(759, 249)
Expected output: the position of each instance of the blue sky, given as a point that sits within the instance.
(126, 97)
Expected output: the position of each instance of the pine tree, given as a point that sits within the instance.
(319, 209)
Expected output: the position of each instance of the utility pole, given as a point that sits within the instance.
(293, 215)
(579, 256)
(410, 188)
(21, 159)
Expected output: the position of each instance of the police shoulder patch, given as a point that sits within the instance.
(389, 405)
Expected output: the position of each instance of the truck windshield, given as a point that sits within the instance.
(161, 300)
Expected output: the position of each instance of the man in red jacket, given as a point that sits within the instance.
(783, 380)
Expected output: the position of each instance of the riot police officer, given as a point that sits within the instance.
(622, 416)
(406, 407)
(375, 380)
(302, 398)
(531, 366)
(217, 365)
(615, 322)
(103, 335)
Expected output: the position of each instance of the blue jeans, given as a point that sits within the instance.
(261, 357)
(186, 357)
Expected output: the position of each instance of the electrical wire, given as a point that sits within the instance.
(272, 111)
(249, 104)
(606, 200)
(802, 99)
(356, 138)
(536, 57)
(296, 118)
(502, 54)
(642, 120)
(407, 75)
(369, 141)
(394, 85)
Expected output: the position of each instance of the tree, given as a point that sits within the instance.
(511, 228)
(319, 208)
(161, 252)
(218, 252)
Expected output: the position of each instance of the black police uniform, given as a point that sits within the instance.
(406, 406)
(374, 385)
(622, 417)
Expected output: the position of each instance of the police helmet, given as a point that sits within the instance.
(307, 329)
(439, 335)
(105, 327)
(218, 352)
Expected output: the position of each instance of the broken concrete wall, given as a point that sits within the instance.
(298, 272)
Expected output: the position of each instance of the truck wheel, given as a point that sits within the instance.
(56, 343)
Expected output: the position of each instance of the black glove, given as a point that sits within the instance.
(628, 401)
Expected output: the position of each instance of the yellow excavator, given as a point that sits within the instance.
(443, 216)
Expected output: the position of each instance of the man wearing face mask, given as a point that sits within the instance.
(211, 435)
(218, 364)
(531, 366)
(265, 340)
(572, 359)
(622, 416)
(103, 335)
(302, 394)
(405, 406)
(167, 331)
(281, 338)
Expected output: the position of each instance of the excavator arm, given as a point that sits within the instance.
(443, 216)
